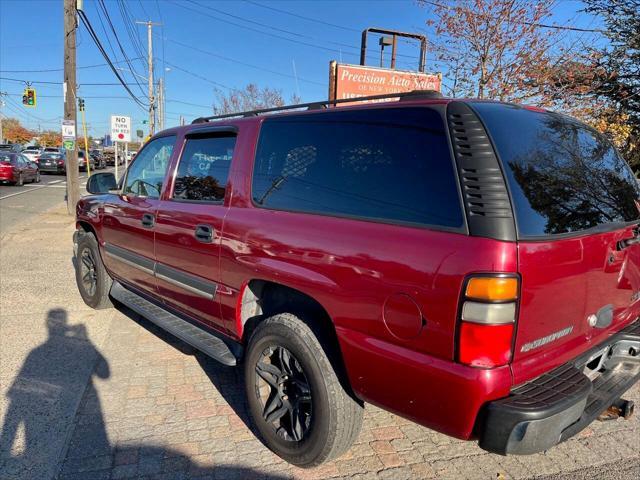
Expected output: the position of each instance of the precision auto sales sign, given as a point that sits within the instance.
(120, 128)
(353, 81)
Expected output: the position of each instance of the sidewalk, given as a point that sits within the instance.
(106, 395)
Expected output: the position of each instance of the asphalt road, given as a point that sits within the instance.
(18, 204)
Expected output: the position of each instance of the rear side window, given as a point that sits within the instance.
(563, 176)
(204, 169)
(391, 165)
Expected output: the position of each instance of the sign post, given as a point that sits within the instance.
(120, 132)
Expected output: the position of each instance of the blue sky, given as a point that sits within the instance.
(200, 44)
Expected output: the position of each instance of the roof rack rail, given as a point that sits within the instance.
(412, 95)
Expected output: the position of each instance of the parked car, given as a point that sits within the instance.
(53, 150)
(473, 266)
(53, 162)
(32, 153)
(98, 158)
(11, 147)
(16, 169)
(110, 156)
(82, 161)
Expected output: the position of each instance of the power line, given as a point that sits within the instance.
(531, 24)
(124, 54)
(96, 40)
(61, 69)
(239, 62)
(60, 83)
(322, 22)
(289, 32)
(196, 75)
(132, 31)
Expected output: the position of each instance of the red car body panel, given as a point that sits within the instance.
(392, 291)
(122, 221)
(8, 173)
(563, 282)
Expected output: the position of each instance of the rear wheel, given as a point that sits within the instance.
(295, 397)
(92, 278)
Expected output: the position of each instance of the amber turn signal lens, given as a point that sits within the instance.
(492, 288)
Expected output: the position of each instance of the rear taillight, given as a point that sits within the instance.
(487, 320)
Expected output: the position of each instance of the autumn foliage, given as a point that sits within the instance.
(50, 139)
(511, 50)
(14, 132)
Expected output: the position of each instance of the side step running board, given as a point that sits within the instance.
(204, 341)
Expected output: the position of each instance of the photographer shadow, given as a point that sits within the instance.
(42, 409)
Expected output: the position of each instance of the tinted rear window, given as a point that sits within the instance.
(384, 164)
(563, 176)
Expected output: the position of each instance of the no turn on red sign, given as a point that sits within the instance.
(120, 128)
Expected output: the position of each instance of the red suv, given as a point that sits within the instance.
(472, 266)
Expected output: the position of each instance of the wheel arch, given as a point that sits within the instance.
(259, 299)
(86, 227)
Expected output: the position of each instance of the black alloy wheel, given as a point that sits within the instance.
(282, 388)
(88, 272)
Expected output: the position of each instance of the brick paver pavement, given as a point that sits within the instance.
(166, 412)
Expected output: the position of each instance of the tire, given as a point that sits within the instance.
(328, 423)
(95, 288)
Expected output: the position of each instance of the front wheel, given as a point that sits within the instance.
(295, 397)
(94, 283)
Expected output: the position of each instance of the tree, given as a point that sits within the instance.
(618, 67)
(494, 47)
(14, 132)
(251, 97)
(50, 138)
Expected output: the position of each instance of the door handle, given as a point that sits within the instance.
(627, 242)
(148, 220)
(204, 233)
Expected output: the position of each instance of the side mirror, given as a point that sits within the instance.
(101, 183)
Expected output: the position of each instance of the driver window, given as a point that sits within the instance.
(146, 174)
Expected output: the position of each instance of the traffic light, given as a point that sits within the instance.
(29, 97)
(81, 104)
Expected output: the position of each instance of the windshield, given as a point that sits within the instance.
(52, 156)
(562, 175)
(6, 158)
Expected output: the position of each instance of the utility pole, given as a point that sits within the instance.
(1, 105)
(152, 103)
(70, 26)
(161, 104)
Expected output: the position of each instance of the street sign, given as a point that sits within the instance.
(69, 144)
(68, 130)
(353, 81)
(139, 133)
(120, 128)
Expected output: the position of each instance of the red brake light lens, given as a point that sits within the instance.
(487, 319)
(485, 346)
